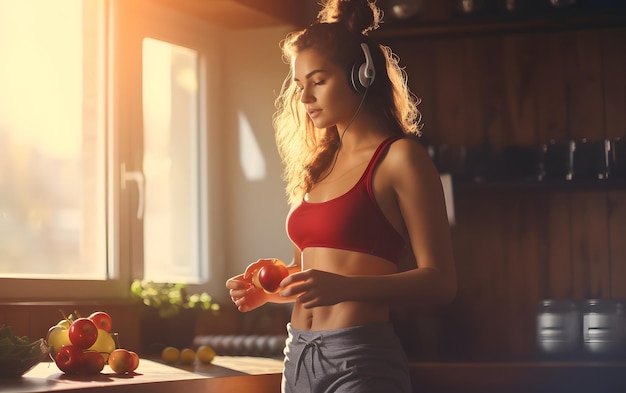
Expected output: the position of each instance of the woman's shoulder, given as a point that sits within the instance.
(408, 158)
(407, 148)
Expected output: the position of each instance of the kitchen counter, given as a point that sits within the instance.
(261, 375)
(225, 374)
(523, 377)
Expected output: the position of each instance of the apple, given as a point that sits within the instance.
(102, 320)
(104, 344)
(69, 359)
(64, 323)
(270, 276)
(56, 338)
(121, 361)
(93, 362)
(135, 358)
(83, 333)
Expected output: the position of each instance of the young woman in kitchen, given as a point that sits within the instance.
(365, 199)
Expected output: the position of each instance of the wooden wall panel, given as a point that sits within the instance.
(551, 91)
(525, 236)
(617, 243)
(560, 280)
(479, 313)
(590, 241)
(474, 92)
(516, 246)
(519, 62)
(583, 67)
(614, 67)
(450, 100)
(493, 92)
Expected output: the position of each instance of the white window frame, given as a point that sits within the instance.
(128, 22)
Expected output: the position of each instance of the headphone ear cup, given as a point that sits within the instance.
(363, 78)
(362, 75)
(355, 78)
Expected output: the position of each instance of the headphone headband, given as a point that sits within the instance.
(362, 75)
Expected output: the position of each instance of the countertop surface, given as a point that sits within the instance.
(263, 375)
(224, 373)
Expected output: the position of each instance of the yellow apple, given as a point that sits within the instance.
(104, 344)
(57, 337)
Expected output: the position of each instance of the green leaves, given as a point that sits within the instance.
(12, 346)
(170, 298)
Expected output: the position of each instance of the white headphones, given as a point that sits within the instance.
(362, 75)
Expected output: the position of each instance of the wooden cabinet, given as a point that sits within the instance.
(522, 84)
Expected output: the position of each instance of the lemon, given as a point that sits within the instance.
(187, 356)
(170, 355)
(206, 354)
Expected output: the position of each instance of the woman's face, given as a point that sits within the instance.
(324, 90)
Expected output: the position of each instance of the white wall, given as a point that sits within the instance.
(254, 210)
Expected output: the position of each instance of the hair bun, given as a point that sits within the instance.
(358, 16)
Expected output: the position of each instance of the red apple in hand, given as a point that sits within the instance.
(270, 276)
(83, 333)
(102, 320)
(69, 359)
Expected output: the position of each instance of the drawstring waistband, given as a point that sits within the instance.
(313, 347)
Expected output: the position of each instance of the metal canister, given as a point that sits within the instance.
(559, 328)
(604, 327)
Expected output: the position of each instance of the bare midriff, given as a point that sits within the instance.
(344, 314)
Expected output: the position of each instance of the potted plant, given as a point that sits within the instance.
(168, 313)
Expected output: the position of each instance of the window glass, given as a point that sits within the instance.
(52, 195)
(171, 164)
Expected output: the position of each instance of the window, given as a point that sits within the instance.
(103, 148)
(171, 163)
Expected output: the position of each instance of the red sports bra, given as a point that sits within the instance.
(352, 221)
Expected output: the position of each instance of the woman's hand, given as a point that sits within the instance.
(256, 266)
(315, 288)
(244, 294)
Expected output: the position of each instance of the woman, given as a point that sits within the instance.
(365, 199)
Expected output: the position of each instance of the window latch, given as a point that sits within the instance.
(139, 179)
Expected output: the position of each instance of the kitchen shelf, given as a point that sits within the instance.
(547, 185)
(475, 26)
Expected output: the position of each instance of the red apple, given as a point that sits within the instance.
(270, 276)
(69, 359)
(93, 362)
(135, 357)
(102, 320)
(83, 333)
(121, 361)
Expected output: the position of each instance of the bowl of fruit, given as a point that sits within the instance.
(18, 354)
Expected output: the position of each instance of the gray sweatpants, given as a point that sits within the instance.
(359, 359)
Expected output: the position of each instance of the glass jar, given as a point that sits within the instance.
(604, 330)
(559, 327)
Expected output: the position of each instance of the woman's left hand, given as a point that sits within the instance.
(315, 288)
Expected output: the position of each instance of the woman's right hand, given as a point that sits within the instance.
(243, 292)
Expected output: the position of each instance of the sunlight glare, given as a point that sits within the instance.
(250, 155)
(41, 59)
